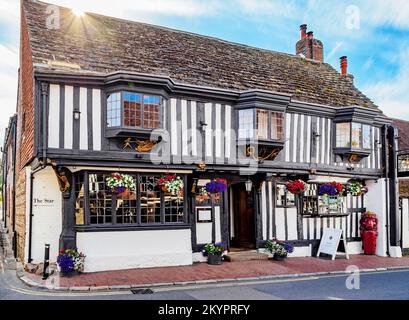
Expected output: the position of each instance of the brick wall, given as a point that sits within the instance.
(25, 132)
(21, 213)
(25, 106)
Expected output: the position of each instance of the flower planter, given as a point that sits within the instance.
(214, 259)
(276, 257)
(69, 274)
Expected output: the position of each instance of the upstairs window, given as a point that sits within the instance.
(353, 136)
(261, 124)
(134, 110)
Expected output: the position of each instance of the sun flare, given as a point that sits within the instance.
(78, 12)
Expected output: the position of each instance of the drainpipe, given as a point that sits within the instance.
(386, 162)
(394, 201)
(43, 164)
(14, 176)
(31, 215)
(44, 98)
(4, 168)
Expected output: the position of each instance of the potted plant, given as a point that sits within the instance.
(356, 189)
(216, 186)
(331, 189)
(70, 262)
(171, 183)
(214, 253)
(121, 183)
(279, 249)
(296, 187)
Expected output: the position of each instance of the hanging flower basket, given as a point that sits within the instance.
(171, 184)
(331, 189)
(296, 187)
(356, 189)
(216, 186)
(120, 183)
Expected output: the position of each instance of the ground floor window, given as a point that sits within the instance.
(97, 205)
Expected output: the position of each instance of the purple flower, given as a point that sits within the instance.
(328, 189)
(216, 186)
(66, 263)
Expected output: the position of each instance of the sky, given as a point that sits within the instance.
(374, 34)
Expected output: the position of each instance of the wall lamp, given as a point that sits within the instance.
(249, 185)
(203, 125)
(77, 114)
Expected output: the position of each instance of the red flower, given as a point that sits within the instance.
(338, 186)
(296, 187)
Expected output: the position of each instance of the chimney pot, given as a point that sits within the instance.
(344, 65)
(303, 29)
(310, 35)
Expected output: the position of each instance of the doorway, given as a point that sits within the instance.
(244, 218)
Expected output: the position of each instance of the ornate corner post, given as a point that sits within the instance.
(258, 184)
(68, 237)
(44, 104)
(300, 217)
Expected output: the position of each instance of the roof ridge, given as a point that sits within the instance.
(291, 55)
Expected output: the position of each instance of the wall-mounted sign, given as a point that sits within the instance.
(204, 215)
(43, 202)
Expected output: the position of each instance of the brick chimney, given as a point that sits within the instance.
(308, 46)
(344, 65)
(344, 68)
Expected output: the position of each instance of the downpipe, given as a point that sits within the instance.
(41, 166)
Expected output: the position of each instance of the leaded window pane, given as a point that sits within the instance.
(343, 135)
(174, 208)
(150, 200)
(114, 110)
(151, 112)
(100, 200)
(280, 195)
(246, 124)
(132, 109)
(127, 207)
(356, 136)
(277, 126)
(262, 124)
(80, 201)
(366, 137)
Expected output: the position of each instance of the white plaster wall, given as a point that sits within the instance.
(135, 249)
(199, 257)
(217, 224)
(355, 247)
(300, 252)
(376, 202)
(405, 223)
(47, 219)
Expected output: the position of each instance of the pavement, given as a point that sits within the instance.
(204, 274)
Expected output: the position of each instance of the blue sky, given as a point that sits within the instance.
(374, 34)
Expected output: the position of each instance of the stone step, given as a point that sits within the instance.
(245, 256)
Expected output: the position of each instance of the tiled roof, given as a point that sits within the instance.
(403, 132)
(101, 44)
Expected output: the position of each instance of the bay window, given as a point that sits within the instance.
(356, 136)
(97, 206)
(261, 124)
(134, 110)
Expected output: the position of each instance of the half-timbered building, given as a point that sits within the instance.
(100, 95)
